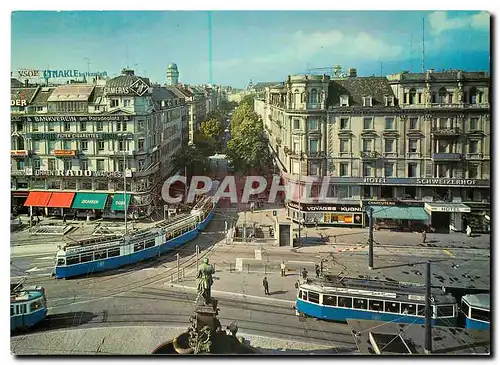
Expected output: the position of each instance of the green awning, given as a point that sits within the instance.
(406, 213)
(118, 202)
(89, 201)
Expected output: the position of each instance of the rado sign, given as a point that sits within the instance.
(77, 173)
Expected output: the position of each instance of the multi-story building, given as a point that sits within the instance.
(413, 147)
(75, 147)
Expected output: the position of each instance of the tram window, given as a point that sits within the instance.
(72, 260)
(12, 312)
(445, 310)
(99, 255)
(304, 295)
(392, 307)
(138, 247)
(345, 302)
(23, 308)
(60, 262)
(150, 243)
(407, 308)
(465, 308)
(421, 310)
(87, 257)
(330, 300)
(480, 314)
(376, 305)
(313, 297)
(300, 294)
(360, 303)
(35, 305)
(112, 252)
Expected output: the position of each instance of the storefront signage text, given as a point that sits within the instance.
(447, 208)
(322, 208)
(19, 152)
(88, 173)
(79, 118)
(28, 73)
(72, 136)
(64, 152)
(21, 102)
(47, 74)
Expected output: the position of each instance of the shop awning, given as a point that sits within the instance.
(405, 213)
(61, 200)
(89, 201)
(118, 202)
(37, 199)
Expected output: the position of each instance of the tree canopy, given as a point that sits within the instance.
(248, 147)
(212, 132)
(192, 159)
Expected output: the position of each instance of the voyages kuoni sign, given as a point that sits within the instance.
(326, 207)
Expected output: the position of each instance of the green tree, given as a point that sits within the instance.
(191, 159)
(248, 147)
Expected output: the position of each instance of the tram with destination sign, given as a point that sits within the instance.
(28, 306)
(476, 310)
(340, 299)
(105, 253)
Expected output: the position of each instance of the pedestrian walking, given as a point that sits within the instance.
(64, 218)
(424, 236)
(317, 271)
(316, 223)
(469, 231)
(283, 269)
(38, 219)
(265, 283)
(304, 274)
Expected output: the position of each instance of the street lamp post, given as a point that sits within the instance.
(125, 183)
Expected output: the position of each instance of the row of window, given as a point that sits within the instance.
(442, 170)
(89, 256)
(374, 304)
(368, 123)
(67, 164)
(83, 145)
(120, 126)
(17, 309)
(444, 97)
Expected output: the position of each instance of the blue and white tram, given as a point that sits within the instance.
(27, 307)
(476, 310)
(374, 300)
(101, 254)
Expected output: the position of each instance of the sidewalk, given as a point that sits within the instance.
(248, 286)
(327, 236)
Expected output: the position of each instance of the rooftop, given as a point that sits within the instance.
(357, 88)
(374, 337)
(71, 92)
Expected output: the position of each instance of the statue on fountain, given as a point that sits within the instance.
(205, 281)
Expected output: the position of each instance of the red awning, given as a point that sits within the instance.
(37, 199)
(61, 200)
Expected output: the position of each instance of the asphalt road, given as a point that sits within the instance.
(137, 295)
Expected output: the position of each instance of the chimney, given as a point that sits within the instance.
(353, 72)
(26, 83)
(127, 72)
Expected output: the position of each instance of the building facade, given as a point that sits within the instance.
(415, 148)
(82, 149)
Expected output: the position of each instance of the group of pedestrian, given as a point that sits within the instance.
(304, 273)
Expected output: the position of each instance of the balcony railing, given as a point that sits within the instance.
(318, 154)
(370, 155)
(447, 156)
(455, 131)
(314, 106)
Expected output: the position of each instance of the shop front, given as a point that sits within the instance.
(37, 202)
(116, 209)
(60, 203)
(89, 205)
(447, 217)
(18, 198)
(345, 214)
(397, 215)
(478, 219)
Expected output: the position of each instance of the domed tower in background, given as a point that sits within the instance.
(172, 74)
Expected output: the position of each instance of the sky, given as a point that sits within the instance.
(264, 46)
